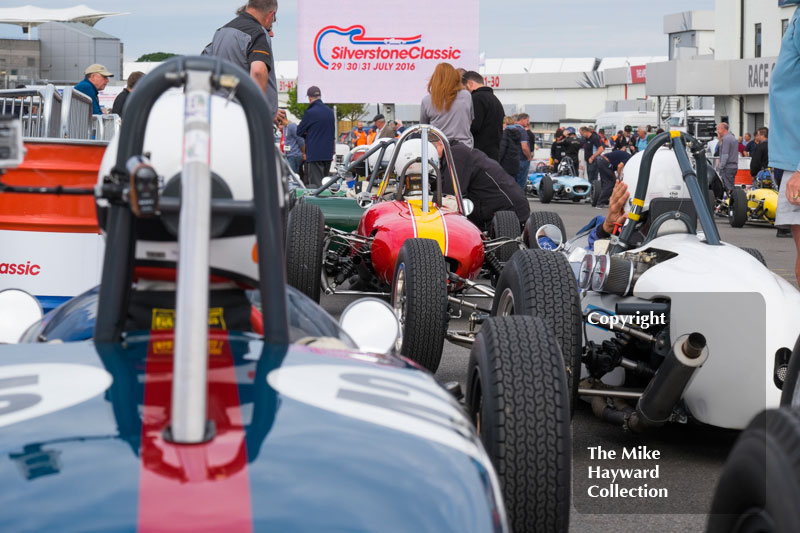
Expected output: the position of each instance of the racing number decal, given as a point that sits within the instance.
(403, 401)
(11, 403)
(34, 390)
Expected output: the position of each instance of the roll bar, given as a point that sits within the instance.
(696, 185)
(120, 251)
(379, 147)
(424, 130)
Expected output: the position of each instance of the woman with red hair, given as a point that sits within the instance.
(448, 106)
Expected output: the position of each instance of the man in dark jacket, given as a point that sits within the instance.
(119, 101)
(484, 181)
(487, 126)
(572, 147)
(510, 148)
(318, 127)
(760, 155)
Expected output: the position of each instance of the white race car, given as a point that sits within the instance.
(671, 324)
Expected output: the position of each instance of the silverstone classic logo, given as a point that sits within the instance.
(360, 47)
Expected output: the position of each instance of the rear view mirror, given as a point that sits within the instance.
(18, 311)
(469, 206)
(549, 237)
(372, 325)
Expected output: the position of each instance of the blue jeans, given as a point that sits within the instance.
(294, 162)
(522, 174)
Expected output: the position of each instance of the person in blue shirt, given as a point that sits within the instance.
(96, 79)
(610, 165)
(294, 145)
(784, 146)
(318, 127)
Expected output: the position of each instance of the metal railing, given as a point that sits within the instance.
(39, 110)
(76, 115)
(105, 127)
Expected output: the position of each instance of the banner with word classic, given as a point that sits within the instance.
(384, 52)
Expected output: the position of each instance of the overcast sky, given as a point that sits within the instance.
(508, 28)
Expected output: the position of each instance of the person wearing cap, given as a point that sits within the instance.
(318, 127)
(379, 125)
(96, 79)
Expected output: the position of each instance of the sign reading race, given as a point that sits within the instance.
(385, 53)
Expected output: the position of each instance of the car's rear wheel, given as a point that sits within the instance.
(760, 484)
(419, 298)
(541, 283)
(595, 194)
(536, 221)
(737, 208)
(505, 225)
(517, 397)
(546, 191)
(305, 239)
(757, 254)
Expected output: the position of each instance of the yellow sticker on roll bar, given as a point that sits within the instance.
(674, 133)
(634, 216)
(638, 202)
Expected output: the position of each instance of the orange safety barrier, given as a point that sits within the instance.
(49, 164)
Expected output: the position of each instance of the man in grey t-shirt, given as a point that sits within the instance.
(728, 156)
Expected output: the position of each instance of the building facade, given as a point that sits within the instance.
(19, 62)
(746, 43)
(67, 48)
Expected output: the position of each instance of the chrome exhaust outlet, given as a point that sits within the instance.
(654, 408)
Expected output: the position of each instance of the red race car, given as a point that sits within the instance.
(415, 244)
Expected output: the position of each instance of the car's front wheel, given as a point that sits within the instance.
(737, 207)
(419, 298)
(305, 240)
(760, 483)
(517, 398)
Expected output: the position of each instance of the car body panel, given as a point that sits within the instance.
(564, 187)
(306, 439)
(341, 212)
(390, 224)
(767, 200)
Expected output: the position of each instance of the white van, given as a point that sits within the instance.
(617, 120)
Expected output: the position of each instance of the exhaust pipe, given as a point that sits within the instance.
(654, 408)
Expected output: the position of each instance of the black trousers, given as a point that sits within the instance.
(315, 171)
(608, 179)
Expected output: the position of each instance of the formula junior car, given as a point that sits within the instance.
(412, 243)
(758, 204)
(561, 185)
(663, 338)
(178, 415)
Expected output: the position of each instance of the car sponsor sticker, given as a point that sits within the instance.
(31, 391)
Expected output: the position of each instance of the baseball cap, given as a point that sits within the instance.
(98, 69)
(571, 130)
(313, 91)
(378, 117)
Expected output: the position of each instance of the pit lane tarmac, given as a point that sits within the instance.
(693, 456)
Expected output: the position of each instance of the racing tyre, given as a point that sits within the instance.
(517, 398)
(737, 210)
(792, 373)
(595, 194)
(505, 225)
(542, 284)
(546, 190)
(757, 254)
(419, 298)
(305, 236)
(760, 484)
(536, 221)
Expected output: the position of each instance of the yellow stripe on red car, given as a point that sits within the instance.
(430, 225)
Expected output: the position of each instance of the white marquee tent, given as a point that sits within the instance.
(32, 16)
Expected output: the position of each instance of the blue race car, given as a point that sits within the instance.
(561, 185)
(176, 415)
